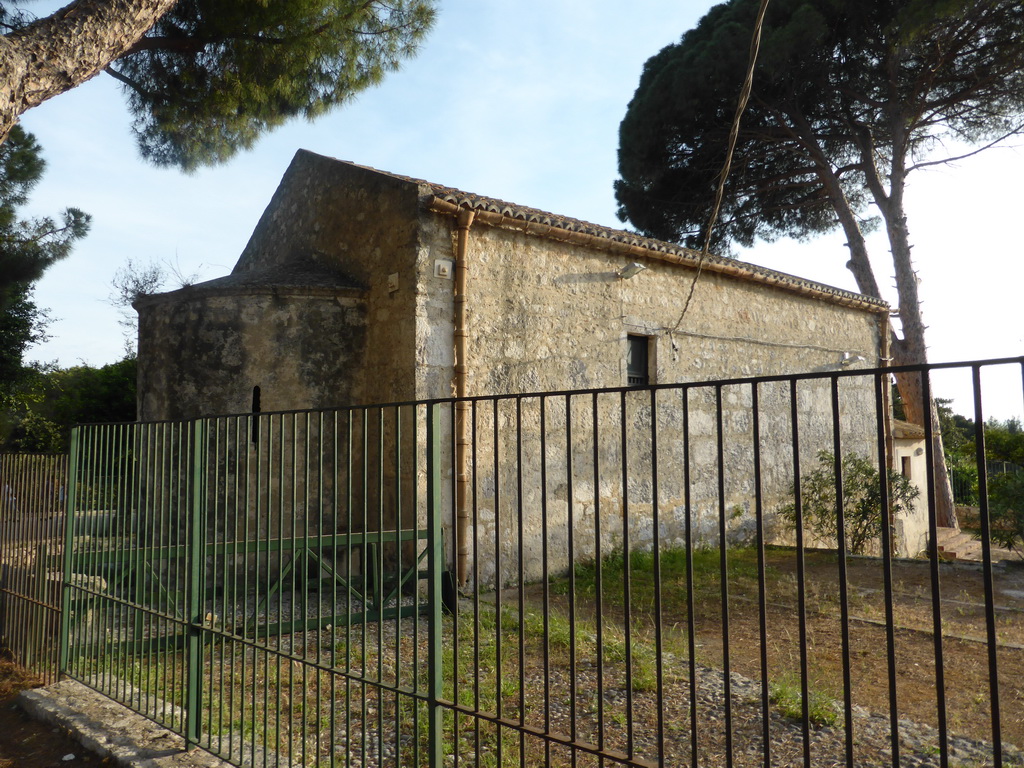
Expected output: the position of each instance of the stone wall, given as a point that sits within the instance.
(548, 316)
(344, 296)
(202, 353)
(365, 224)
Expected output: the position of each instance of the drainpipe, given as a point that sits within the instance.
(464, 221)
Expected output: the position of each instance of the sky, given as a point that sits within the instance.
(517, 101)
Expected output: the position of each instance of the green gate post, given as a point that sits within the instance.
(70, 498)
(196, 568)
(435, 563)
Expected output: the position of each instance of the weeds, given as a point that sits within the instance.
(741, 567)
(822, 709)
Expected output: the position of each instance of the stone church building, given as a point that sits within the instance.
(361, 287)
(346, 295)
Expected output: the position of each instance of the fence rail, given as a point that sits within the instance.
(701, 574)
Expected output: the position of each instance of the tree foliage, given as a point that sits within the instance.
(22, 324)
(39, 413)
(29, 246)
(1004, 451)
(845, 93)
(1006, 507)
(209, 77)
(861, 500)
(1004, 441)
(1004, 438)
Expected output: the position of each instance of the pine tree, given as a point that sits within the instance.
(849, 97)
(29, 246)
(205, 78)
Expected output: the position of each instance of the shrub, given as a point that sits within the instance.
(862, 500)
(1006, 510)
(963, 476)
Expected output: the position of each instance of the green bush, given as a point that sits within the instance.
(1006, 510)
(862, 500)
(963, 475)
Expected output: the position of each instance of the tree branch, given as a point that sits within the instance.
(125, 80)
(859, 263)
(945, 161)
(173, 44)
(58, 52)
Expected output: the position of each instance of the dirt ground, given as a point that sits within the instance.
(963, 628)
(965, 656)
(28, 743)
(873, 670)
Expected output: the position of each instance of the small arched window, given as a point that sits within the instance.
(255, 418)
(637, 370)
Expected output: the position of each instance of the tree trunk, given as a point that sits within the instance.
(911, 349)
(61, 51)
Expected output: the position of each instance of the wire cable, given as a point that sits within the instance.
(734, 132)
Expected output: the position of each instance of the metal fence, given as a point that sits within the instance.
(32, 511)
(965, 478)
(637, 577)
(1003, 468)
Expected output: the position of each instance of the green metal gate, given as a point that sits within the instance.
(32, 488)
(266, 586)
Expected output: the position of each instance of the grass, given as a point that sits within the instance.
(533, 666)
(491, 661)
(257, 695)
(787, 696)
(741, 569)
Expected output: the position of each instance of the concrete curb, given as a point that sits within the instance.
(110, 730)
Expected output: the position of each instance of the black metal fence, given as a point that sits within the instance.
(654, 576)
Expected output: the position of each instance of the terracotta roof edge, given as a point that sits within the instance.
(442, 199)
(554, 227)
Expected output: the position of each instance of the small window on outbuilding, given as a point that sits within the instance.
(637, 360)
(905, 468)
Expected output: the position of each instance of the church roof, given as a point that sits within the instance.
(444, 199)
(304, 276)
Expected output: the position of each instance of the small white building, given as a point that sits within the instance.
(910, 460)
